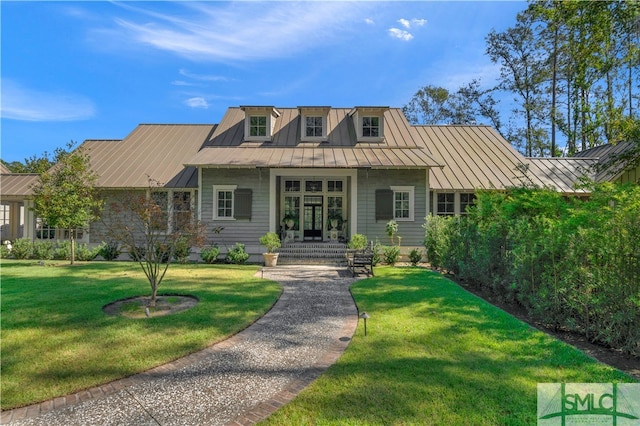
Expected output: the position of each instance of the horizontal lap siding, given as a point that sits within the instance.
(412, 233)
(243, 231)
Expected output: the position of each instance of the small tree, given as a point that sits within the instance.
(65, 196)
(153, 225)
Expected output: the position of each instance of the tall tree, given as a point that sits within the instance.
(65, 196)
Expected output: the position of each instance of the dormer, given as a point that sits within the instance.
(259, 122)
(369, 123)
(313, 123)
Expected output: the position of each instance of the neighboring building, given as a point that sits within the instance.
(334, 172)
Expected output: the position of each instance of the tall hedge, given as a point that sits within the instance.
(573, 263)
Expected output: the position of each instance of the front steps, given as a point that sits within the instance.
(313, 253)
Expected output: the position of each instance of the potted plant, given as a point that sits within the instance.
(289, 221)
(335, 220)
(271, 241)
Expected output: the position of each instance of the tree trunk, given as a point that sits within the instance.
(73, 246)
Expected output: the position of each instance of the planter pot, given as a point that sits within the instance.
(270, 259)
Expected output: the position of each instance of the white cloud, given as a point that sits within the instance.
(400, 34)
(404, 23)
(21, 103)
(236, 31)
(197, 102)
(418, 22)
(202, 77)
(369, 21)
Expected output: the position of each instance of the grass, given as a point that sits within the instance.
(57, 340)
(435, 354)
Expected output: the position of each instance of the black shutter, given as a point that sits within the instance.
(384, 204)
(242, 200)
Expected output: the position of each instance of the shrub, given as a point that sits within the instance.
(237, 255)
(43, 250)
(415, 256)
(110, 251)
(163, 252)
(210, 255)
(391, 254)
(4, 251)
(271, 241)
(377, 250)
(136, 253)
(63, 250)
(182, 250)
(84, 253)
(358, 242)
(22, 248)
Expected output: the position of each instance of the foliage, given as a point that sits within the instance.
(65, 196)
(82, 251)
(391, 254)
(37, 163)
(392, 229)
(182, 250)
(22, 248)
(43, 250)
(271, 241)
(110, 250)
(237, 254)
(358, 242)
(572, 264)
(210, 255)
(53, 316)
(4, 251)
(140, 221)
(378, 249)
(415, 256)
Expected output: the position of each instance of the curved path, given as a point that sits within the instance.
(238, 381)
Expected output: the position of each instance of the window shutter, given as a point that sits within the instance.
(242, 199)
(384, 204)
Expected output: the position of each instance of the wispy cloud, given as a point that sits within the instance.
(197, 103)
(237, 31)
(400, 34)
(405, 23)
(202, 77)
(369, 21)
(22, 103)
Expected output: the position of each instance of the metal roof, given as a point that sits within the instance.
(227, 147)
(17, 184)
(612, 159)
(151, 151)
(561, 173)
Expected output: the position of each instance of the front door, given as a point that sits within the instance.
(313, 218)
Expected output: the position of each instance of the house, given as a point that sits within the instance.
(333, 172)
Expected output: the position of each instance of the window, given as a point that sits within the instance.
(403, 202)
(44, 231)
(159, 206)
(370, 127)
(258, 125)
(292, 186)
(313, 127)
(223, 199)
(446, 204)
(313, 186)
(466, 200)
(181, 210)
(334, 186)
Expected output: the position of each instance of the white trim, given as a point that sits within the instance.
(199, 193)
(426, 198)
(216, 189)
(411, 191)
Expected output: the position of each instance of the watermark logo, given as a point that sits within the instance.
(616, 404)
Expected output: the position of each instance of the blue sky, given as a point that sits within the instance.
(95, 70)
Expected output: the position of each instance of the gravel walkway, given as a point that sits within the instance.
(239, 381)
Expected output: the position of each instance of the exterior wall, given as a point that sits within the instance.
(632, 175)
(246, 231)
(412, 232)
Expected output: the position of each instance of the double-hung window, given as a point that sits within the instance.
(466, 200)
(258, 125)
(313, 127)
(445, 203)
(403, 203)
(223, 207)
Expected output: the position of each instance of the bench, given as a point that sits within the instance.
(361, 260)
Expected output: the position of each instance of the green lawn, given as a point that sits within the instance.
(436, 354)
(57, 340)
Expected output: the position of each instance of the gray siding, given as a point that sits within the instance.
(244, 231)
(412, 233)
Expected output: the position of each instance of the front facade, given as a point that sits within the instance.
(310, 173)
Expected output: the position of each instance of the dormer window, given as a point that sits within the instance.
(313, 123)
(369, 123)
(259, 122)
